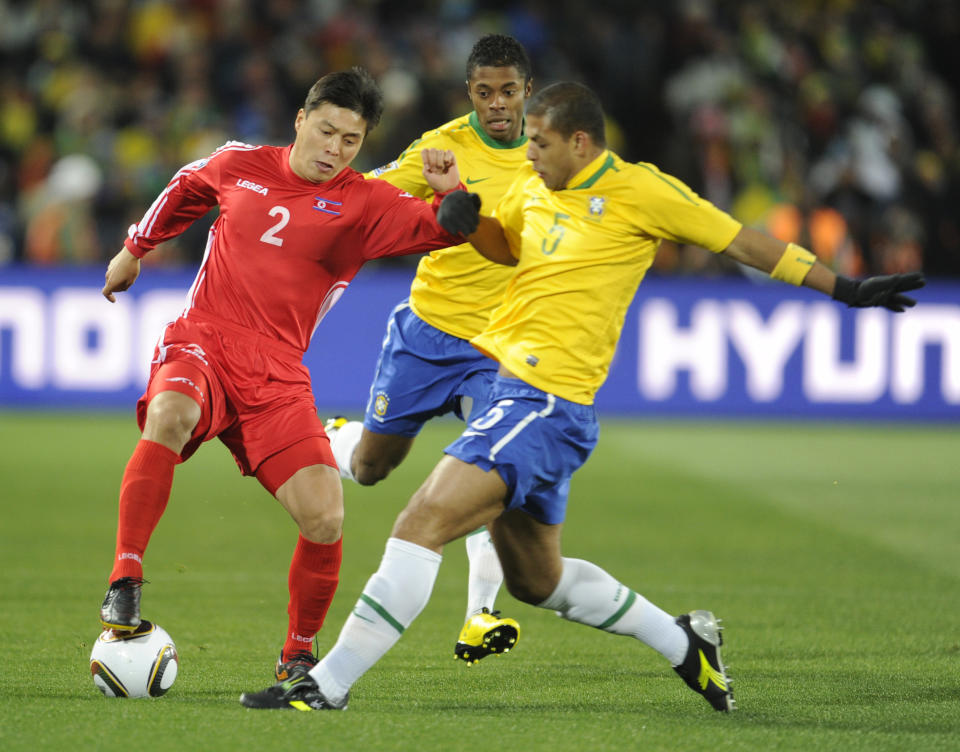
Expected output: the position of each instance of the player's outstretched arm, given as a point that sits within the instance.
(797, 266)
(122, 272)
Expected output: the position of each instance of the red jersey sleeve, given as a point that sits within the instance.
(398, 224)
(192, 192)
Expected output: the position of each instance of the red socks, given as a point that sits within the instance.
(144, 493)
(314, 575)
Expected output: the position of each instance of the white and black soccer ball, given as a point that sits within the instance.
(142, 663)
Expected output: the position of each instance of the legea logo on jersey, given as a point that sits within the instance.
(251, 186)
(327, 206)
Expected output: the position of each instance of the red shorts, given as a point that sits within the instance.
(254, 394)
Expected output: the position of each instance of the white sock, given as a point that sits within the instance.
(589, 595)
(486, 575)
(393, 597)
(343, 441)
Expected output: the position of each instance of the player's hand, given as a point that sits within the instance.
(122, 271)
(886, 291)
(459, 213)
(440, 170)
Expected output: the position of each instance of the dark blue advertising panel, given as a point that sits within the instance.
(707, 348)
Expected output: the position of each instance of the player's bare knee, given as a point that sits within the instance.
(171, 421)
(422, 523)
(372, 463)
(322, 525)
(370, 473)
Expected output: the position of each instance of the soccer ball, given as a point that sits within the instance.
(142, 663)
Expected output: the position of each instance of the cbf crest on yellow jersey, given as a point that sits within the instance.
(456, 289)
(582, 253)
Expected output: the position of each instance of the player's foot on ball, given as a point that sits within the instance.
(299, 693)
(702, 669)
(296, 665)
(121, 605)
(485, 634)
(334, 424)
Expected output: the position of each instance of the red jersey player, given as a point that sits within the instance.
(295, 225)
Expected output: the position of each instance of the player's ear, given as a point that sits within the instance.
(528, 89)
(301, 116)
(579, 142)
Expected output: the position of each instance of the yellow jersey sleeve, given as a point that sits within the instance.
(456, 289)
(582, 253)
(668, 209)
(406, 171)
(509, 211)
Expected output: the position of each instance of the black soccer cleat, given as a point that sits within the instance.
(299, 693)
(297, 665)
(121, 605)
(702, 669)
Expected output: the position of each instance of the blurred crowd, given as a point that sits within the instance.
(831, 123)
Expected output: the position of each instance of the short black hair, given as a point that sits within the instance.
(352, 89)
(499, 51)
(570, 107)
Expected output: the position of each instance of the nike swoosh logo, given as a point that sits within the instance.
(474, 433)
(364, 618)
(471, 181)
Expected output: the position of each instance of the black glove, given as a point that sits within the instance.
(879, 291)
(459, 212)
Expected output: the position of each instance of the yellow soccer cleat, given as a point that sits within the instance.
(484, 634)
(332, 425)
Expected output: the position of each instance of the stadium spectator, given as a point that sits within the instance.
(143, 87)
(60, 222)
(581, 226)
(278, 257)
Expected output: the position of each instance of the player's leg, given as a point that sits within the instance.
(418, 375)
(169, 414)
(376, 455)
(484, 574)
(306, 484)
(455, 499)
(580, 591)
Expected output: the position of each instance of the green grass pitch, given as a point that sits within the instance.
(832, 552)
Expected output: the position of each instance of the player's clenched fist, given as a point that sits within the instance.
(440, 169)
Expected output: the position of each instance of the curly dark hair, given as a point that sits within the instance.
(499, 51)
(352, 89)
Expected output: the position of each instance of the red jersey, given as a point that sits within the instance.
(283, 249)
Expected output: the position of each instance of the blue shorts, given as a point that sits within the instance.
(535, 440)
(422, 373)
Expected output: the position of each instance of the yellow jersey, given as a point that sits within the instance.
(456, 289)
(582, 252)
